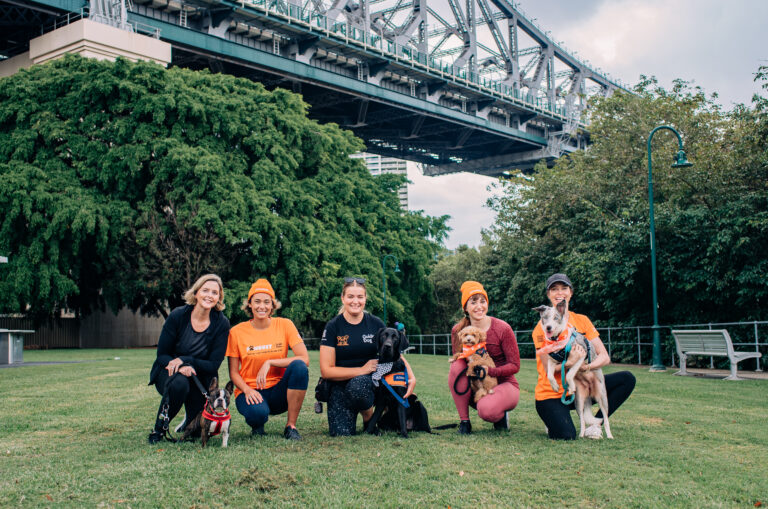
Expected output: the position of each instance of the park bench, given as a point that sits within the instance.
(710, 343)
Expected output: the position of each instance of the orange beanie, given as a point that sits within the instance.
(470, 288)
(261, 286)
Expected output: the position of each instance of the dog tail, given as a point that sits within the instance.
(446, 426)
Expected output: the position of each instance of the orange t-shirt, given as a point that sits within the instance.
(584, 326)
(253, 347)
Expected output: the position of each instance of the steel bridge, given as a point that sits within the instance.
(470, 85)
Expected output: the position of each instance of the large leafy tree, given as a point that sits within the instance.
(588, 215)
(123, 182)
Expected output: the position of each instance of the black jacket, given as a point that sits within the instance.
(206, 367)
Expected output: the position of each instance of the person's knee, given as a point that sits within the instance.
(255, 415)
(297, 375)
(359, 393)
(178, 387)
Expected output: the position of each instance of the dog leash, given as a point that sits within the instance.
(564, 399)
(166, 405)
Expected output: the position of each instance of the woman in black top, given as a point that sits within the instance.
(192, 342)
(348, 359)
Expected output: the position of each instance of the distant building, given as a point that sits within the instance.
(378, 165)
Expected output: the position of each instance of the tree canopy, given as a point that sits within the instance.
(123, 182)
(588, 216)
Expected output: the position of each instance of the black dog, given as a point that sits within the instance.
(390, 342)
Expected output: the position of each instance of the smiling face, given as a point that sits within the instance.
(559, 292)
(353, 299)
(261, 306)
(208, 295)
(477, 307)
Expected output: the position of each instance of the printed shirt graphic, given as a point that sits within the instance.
(584, 326)
(253, 347)
(353, 343)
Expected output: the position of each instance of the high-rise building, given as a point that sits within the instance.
(379, 165)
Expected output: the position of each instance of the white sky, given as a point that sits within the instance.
(716, 44)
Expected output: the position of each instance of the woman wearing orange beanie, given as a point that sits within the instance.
(267, 381)
(501, 345)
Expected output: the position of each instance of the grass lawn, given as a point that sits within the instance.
(74, 435)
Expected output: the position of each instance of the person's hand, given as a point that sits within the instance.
(261, 376)
(480, 372)
(370, 367)
(585, 367)
(187, 371)
(253, 397)
(173, 366)
(578, 351)
(411, 386)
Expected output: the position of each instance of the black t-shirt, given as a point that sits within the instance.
(354, 344)
(192, 343)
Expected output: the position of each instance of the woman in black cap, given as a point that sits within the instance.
(555, 414)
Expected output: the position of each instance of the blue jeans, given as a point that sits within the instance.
(275, 399)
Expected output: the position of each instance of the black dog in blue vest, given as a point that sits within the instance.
(390, 379)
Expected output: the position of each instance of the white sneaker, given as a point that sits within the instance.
(182, 425)
(595, 432)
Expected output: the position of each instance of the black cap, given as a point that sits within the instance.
(558, 278)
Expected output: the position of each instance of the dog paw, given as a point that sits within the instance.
(554, 386)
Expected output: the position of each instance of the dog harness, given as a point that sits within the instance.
(467, 351)
(563, 342)
(219, 418)
(397, 379)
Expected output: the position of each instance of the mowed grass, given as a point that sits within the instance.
(74, 435)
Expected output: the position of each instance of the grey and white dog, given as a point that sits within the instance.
(589, 386)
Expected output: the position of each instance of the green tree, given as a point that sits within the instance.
(588, 215)
(123, 182)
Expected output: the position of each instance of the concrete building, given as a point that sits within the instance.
(379, 165)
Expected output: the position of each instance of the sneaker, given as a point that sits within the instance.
(154, 437)
(465, 428)
(257, 432)
(291, 433)
(595, 432)
(182, 425)
(503, 423)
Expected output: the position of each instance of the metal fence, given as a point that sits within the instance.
(632, 345)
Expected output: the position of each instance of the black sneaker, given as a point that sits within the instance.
(502, 424)
(258, 432)
(154, 437)
(465, 428)
(291, 433)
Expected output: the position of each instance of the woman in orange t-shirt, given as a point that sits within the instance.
(555, 414)
(267, 381)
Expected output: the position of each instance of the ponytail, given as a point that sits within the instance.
(464, 322)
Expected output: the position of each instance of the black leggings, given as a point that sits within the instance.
(345, 401)
(182, 390)
(557, 416)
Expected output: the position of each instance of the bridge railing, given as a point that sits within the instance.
(314, 20)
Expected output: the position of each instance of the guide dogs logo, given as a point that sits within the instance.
(342, 340)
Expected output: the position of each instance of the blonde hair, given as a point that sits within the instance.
(248, 311)
(190, 295)
(347, 284)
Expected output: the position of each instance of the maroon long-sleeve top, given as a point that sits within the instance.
(501, 344)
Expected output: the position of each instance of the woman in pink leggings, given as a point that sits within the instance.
(501, 346)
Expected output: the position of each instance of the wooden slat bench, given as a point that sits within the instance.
(710, 343)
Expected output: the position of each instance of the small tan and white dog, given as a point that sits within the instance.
(589, 386)
(478, 361)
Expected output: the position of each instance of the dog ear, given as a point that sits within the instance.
(540, 309)
(404, 345)
(230, 387)
(377, 337)
(214, 385)
(560, 306)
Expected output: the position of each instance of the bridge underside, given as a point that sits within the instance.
(402, 103)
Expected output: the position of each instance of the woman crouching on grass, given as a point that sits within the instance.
(501, 345)
(348, 359)
(192, 342)
(556, 414)
(267, 381)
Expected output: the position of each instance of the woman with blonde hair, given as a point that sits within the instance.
(267, 381)
(192, 342)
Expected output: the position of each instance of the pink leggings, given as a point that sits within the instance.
(491, 407)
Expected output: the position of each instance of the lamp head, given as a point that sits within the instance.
(397, 267)
(681, 161)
